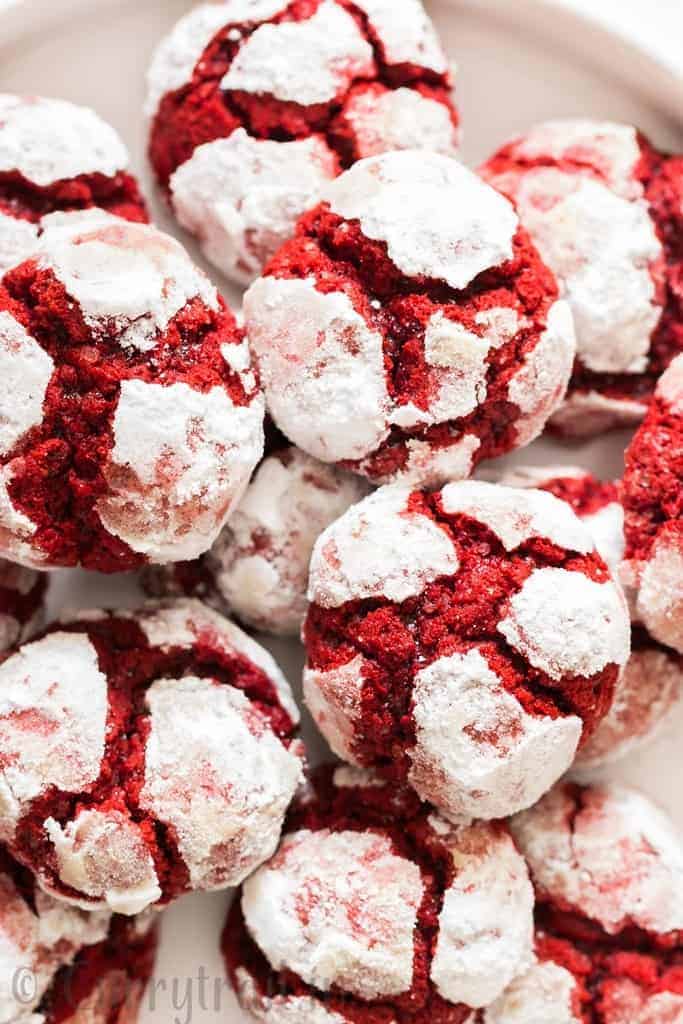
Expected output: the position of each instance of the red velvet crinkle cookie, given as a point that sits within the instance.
(377, 911)
(130, 420)
(652, 495)
(22, 603)
(144, 755)
(257, 104)
(652, 682)
(54, 157)
(606, 212)
(410, 329)
(258, 567)
(453, 642)
(62, 965)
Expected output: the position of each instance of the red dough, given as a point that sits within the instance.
(652, 682)
(153, 755)
(604, 208)
(652, 495)
(65, 965)
(256, 106)
(22, 601)
(133, 421)
(410, 329)
(372, 901)
(56, 157)
(451, 642)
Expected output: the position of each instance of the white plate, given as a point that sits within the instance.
(520, 61)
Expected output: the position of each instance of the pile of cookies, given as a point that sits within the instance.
(475, 640)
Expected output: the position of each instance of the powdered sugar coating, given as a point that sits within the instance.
(330, 397)
(541, 996)
(176, 56)
(485, 935)
(260, 562)
(630, 1005)
(552, 622)
(588, 215)
(40, 939)
(305, 62)
(104, 856)
(438, 219)
(334, 700)
(241, 196)
(47, 140)
(339, 909)
(650, 688)
(400, 119)
(17, 237)
(659, 604)
(477, 752)
(186, 457)
(128, 274)
(379, 548)
(406, 33)
(607, 852)
(25, 372)
(217, 776)
(588, 414)
(53, 711)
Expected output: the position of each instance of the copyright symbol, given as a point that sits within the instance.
(24, 986)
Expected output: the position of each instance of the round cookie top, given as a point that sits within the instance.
(60, 963)
(258, 567)
(409, 329)
(451, 642)
(375, 904)
(255, 106)
(22, 603)
(652, 495)
(54, 157)
(607, 865)
(130, 420)
(600, 203)
(144, 754)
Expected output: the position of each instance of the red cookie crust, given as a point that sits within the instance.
(147, 673)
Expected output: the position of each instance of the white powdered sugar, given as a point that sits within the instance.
(650, 687)
(544, 995)
(218, 776)
(339, 909)
(182, 623)
(660, 597)
(516, 516)
(104, 856)
(282, 1009)
(178, 54)
(25, 372)
(321, 366)
(439, 220)
(670, 386)
(47, 141)
(405, 33)
(124, 276)
(566, 624)
(36, 942)
(593, 228)
(379, 549)
(242, 197)
(629, 1004)
(53, 711)
(260, 562)
(333, 698)
(389, 119)
(486, 923)
(305, 62)
(539, 387)
(431, 467)
(611, 854)
(588, 413)
(180, 462)
(477, 752)
(18, 238)
(16, 529)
